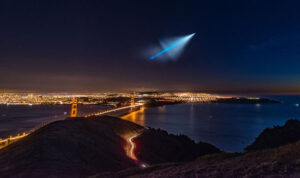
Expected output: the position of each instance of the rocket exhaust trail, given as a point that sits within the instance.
(182, 41)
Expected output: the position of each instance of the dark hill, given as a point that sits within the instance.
(277, 136)
(82, 147)
(157, 146)
(277, 162)
(69, 148)
(282, 161)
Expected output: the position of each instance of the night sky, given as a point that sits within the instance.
(94, 46)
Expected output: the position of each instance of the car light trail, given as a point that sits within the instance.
(13, 138)
(113, 110)
(131, 147)
(7, 141)
(130, 151)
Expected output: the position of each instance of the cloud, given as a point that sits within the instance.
(275, 41)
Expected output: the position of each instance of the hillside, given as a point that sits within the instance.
(275, 153)
(157, 146)
(77, 147)
(278, 162)
(277, 136)
(82, 147)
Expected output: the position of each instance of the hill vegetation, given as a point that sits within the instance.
(277, 136)
(157, 146)
(275, 153)
(277, 162)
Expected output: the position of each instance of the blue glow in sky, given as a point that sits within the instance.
(109, 43)
(174, 47)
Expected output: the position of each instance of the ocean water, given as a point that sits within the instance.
(230, 127)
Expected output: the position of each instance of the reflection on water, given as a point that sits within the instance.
(136, 117)
(230, 127)
(161, 108)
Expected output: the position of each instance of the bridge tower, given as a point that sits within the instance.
(131, 101)
(74, 107)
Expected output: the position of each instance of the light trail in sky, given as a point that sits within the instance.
(165, 50)
(180, 43)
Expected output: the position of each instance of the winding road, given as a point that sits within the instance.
(131, 147)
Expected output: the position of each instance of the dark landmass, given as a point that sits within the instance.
(234, 100)
(154, 103)
(277, 136)
(157, 146)
(77, 147)
(245, 101)
(282, 161)
(82, 147)
(277, 162)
